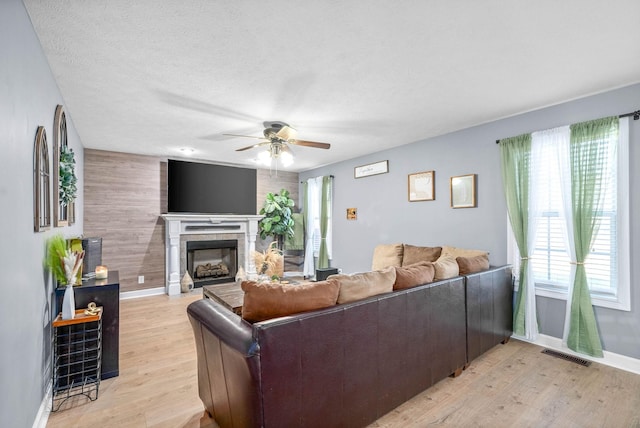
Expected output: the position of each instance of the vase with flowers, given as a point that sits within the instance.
(269, 263)
(64, 264)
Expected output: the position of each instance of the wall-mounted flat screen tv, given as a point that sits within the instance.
(210, 189)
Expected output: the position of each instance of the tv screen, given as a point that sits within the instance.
(210, 189)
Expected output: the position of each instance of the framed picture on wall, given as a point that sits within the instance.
(422, 186)
(352, 213)
(463, 191)
(376, 168)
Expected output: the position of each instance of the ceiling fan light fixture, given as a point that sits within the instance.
(279, 136)
(272, 157)
(264, 158)
(286, 158)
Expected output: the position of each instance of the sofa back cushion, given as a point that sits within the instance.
(474, 264)
(413, 254)
(414, 275)
(270, 300)
(386, 255)
(445, 267)
(362, 285)
(455, 252)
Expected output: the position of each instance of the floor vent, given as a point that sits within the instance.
(567, 357)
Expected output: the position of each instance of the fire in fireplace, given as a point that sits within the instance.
(212, 262)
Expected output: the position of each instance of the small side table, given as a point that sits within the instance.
(77, 357)
(105, 293)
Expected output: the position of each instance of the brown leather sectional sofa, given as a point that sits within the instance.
(346, 365)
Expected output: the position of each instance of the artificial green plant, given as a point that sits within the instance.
(277, 221)
(56, 252)
(67, 176)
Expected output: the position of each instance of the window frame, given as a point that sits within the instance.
(622, 298)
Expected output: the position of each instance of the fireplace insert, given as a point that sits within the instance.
(212, 262)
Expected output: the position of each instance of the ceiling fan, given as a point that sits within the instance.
(278, 136)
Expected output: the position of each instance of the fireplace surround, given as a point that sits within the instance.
(181, 229)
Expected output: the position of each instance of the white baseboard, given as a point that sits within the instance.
(45, 408)
(142, 293)
(618, 361)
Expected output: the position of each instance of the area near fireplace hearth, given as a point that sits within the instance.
(218, 244)
(129, 220)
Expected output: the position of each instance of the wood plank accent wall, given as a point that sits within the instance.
(273, 184)
(124, 196)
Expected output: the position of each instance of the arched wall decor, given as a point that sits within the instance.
(41, 182)
(63, 212)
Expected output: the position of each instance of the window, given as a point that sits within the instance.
(312, 213)
(315, 192)
(607, 264)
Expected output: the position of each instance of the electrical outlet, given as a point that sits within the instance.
(140, 279)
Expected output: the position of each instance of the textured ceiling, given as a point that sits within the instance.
(152, 77)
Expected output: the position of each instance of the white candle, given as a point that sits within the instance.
(101, 272)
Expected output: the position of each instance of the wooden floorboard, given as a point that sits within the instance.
(512, 385)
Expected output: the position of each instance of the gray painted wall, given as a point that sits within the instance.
(386, 216)
(28, 98)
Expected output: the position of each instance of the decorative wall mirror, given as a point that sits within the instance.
(64, 178)
(41, 183)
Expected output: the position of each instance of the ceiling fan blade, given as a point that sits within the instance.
(264, 143)
(310, 144)
(244, 136)
(287, 133)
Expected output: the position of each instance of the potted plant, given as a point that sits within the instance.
(277, 221)
(64, 264)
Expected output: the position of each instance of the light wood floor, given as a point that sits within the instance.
(512, 385)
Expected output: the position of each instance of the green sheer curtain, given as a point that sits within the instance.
(587, 153)
(515, 156)
(305, 198)
(325, 207)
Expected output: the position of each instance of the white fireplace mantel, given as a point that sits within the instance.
(178, 225)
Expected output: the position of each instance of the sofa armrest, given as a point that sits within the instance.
(229, 327)
(228, 364)
(489, 296)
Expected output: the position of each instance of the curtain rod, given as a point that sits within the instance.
(302, 182)
(635, 114)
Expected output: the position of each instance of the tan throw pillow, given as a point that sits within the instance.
(361, 285)
(414, 275)
(413, 254)
(455, 252)
(475, 264)
(385, 255)
(271, 300)
(446, 267)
